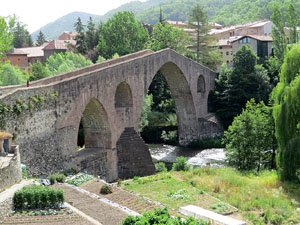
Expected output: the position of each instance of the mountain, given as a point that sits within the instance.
(225, 12)
(65, 23)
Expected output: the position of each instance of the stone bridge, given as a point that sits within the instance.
(108, 99)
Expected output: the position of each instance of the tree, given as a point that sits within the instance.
(167, 36)
(5, 37)
(278, 34)
(143, 122)
(249, 137)
(205, 54)
(292, 20)
(91, 35)
(10, 75)
(81, 43)
(38, 71)
(236, 86)
(41, 39)
(21, 35)
(286, 114)
(122, 34)
(64, 62)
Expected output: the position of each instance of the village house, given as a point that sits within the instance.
(68, 36)
(23, 57)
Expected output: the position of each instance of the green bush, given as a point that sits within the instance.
(170, 137)
(215, 142)
(106, 189)
(160, 216)
(181, 164)
(38, 196)
(160, 167)
(57, 178)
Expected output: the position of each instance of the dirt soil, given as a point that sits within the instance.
(104, 213)
(72, 219)
(125, 198)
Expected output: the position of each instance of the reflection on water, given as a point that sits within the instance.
(167, 153)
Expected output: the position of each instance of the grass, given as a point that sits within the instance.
(262, 198)
(172, 192)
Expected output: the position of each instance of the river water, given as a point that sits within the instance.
(196, 157)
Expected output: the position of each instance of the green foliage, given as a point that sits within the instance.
(11, 75)
(181, 164)
(22, 37)
(38, 71)
(170, 137)
(81, 41)
(5, 37)
(181, 194)
(64, 62)
(249, 137)
(38, 196)
(292, 20)
(57, 178)
(236, 86)
(40, 38)
(278, 34)
(100, 59)
(215, 142)
(106, 189)
(287, 113)
(143, 122)
(160, 167)
(167, 36)
(160, 216)
(122, 34)
(79, 179)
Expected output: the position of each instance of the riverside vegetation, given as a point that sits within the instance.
(261, 198)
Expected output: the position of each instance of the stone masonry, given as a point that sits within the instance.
(108, 99)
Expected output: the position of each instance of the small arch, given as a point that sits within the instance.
(123, 96)
(201, 84)
(94, 122)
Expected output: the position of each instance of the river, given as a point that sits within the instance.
(196, 157)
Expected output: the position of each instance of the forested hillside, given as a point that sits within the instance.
(225, 12)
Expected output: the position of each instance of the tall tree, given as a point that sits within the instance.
(11, 75)
(91, 34)
(122, 34)
(249, 137)
(286, 114)
(167, 36)
(38, 71)
(205, 54)
(21, 35)
(41, 39)
(278, 34)
(236, 86)
(29, 41)
(292, 20)
(5, 37)
(81, 43)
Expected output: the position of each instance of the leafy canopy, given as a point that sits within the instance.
(122, 34)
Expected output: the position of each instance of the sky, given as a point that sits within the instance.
(37, 13)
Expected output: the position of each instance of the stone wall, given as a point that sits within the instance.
(134, 158)
(10, 169)
(5, 207)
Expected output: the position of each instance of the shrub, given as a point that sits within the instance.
(160, 216)
(106, 189)
(80, 179)
(160, 167)
(215, 142)
(170, 137)
(38, 196)
(57, 178)
(181, 164)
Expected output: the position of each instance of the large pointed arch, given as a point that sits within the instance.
(184, 103)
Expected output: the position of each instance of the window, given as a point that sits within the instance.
(231, 53)
(227, 53)
(227, 62)
(221, 53)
